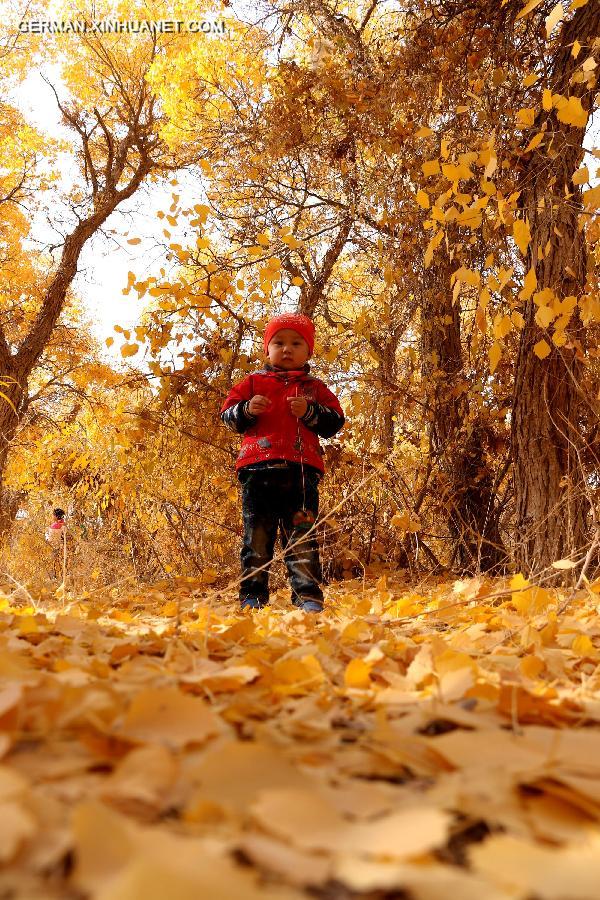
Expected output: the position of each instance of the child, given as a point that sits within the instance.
(55, 533)
(56, 536)
(281, 411)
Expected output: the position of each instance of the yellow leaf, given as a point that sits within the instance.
(122, 615)
(541, 349)
(209, 576)
(563, 564)
(263, 239)
(535, 141)
(134, 241)
(452, 661)
(547, 100)
(28, 625)
(293, 676)
(591, 198)
(423, 132)
(357, 674)
(554, 18)
(169, 609)
(559, 338)
(298, 282)
(583, 646)
(466, 276)
(581, 176)
(431, 247)
(202, 211)
(502, 326)
(529, 285)
(491, 165)
(531, 5)
(571, 112)
(526, 598)
(165, 715)
(547, 295)
(431, 167)
(530, 79)
(129, 349)
(400, 520)
(495, 352)
(459, 172)
(290, 241)
(525, 117)
(590, 310)
(544, 316)
(522, 235)
(575, 49)
(109, 341)
(423, 199)
(531, 666)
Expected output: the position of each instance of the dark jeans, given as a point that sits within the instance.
(272, 499)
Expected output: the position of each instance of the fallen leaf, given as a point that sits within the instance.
(165, 715)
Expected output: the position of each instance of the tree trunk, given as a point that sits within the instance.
(550, 505)
(12, 407)
(472, 516)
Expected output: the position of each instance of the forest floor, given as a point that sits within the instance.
(414, 741)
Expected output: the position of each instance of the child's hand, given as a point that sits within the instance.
(259, 404)
(298, 406)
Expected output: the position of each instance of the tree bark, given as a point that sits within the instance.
(472, 516)
(550, 506)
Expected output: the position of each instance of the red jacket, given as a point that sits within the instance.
(276, 433)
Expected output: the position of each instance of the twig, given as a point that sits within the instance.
(588, 558)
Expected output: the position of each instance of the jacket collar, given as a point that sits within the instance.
(277, 372)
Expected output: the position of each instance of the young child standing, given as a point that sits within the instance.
(282, 411)
(56, 537)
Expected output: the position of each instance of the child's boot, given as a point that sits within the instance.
(253, 603)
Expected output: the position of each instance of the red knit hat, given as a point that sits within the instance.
(297, 322)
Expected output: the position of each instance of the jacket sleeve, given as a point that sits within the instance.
(325, 416)
(234, 412)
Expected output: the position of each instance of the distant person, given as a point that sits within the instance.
(56, 537)
(282, 410)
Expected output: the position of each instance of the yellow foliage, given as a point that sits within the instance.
(571, 112)
(522, 235)
(495, 352)
(431, 167)
(357, 674)
(542, 349)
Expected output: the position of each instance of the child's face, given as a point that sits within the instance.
(287, 349)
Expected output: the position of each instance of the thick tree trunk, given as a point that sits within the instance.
(12, 407)
(550, 506)
(472, 517)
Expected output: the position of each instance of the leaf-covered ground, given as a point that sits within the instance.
(421, 742)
